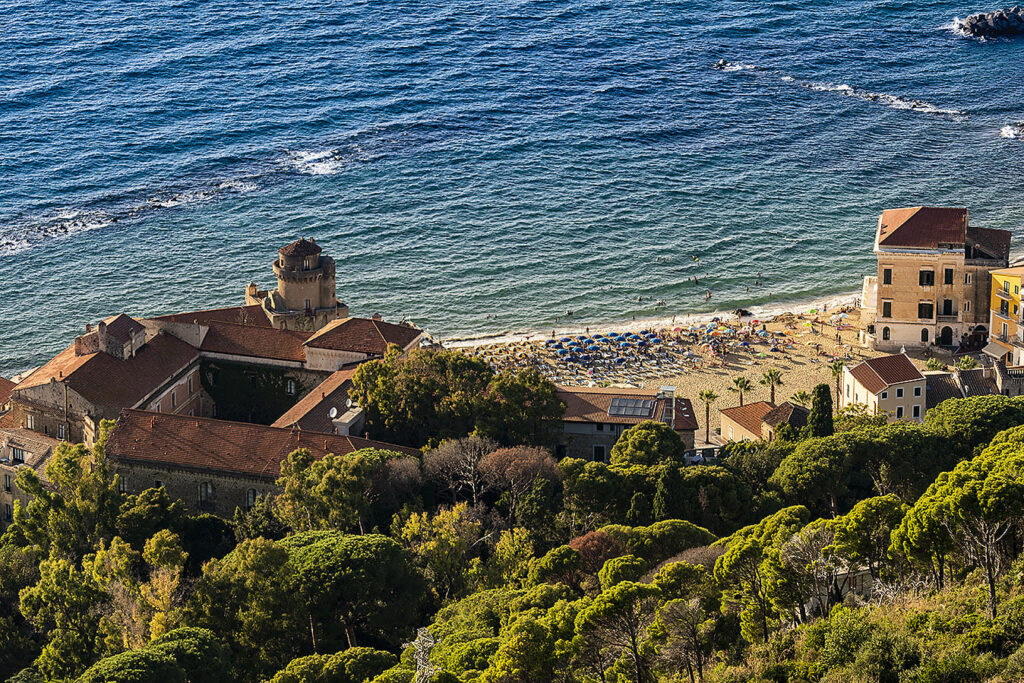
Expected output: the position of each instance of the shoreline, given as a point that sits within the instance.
(765, 313)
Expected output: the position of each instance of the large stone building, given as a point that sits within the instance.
(932, 284)
(595, 417)
(305, 297)
(239, 363)
(760, 420)
(890, 385)
(213, 465)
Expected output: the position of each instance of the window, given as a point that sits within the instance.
(917, 391)
(1004, 308)
(730, 433)
(30, 421)
(60, 432)
(899, 392)
(8, 513)
(885, 333)
(925, 309)
(848, 390)
(174, 399)
(250, 498)
(899, 412)
(947, 307)
(1006, 331)
(947, 276)
(885, 395)
(156, 408)
(190, 386)
(7, 483)
(600, 427)
(887, 276)
(967, 306)
(122, 485)
(924, 334)
(926, 278)
(967, 278)
(1006, 287)
(1016, 289)
(308, 306)
(886, 309)
(17, 454)
(599, 453)
(205, 492)
(917, 411)
(290, 387)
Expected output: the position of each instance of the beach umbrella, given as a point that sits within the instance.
(557, 345)
(598, 336)
(573, 344)
(563, 352)
(641, 343)
(581, 337)
(813, 311)
(565, 339)
(623, 345)
(620, 359)
(744, 343)
(593, 347)
(656, 340)
(645, 332)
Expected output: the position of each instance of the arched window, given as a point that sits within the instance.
(924, 334)
(205, 492)
(250, 497)
(885, 333)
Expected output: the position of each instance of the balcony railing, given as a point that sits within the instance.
(1002, 294)
(942, 318)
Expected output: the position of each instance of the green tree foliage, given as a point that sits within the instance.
(512, 472)
(707, 495)
(972, 422)
(816, 472)
(819, 422)
(18, 640)
(616, 625)
(443, 545)
(335, 492)
(661, 540)
(858, 416)
(771, 378)
(639, 513)
(259, 521)
(135, 666)
(708, 398)
(619, 569)
(347, 586)
(741, 385)
(429, 396)
(648, 443)
(863, 535)
(145, 514)
(185, 654)
(592, 496)
(354, 665)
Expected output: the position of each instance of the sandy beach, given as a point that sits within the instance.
(695, 355)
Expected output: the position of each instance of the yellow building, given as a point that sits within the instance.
(1007, 341)
(890, 385)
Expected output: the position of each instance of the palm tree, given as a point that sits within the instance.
(837, 374)
(772, 378)
(741, 384)
(708, 397)
(801, 398)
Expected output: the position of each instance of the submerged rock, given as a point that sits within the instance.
(1004, 22)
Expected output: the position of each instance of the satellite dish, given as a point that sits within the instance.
(348, 403)
(333, 413)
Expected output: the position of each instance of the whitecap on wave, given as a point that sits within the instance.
(63, 223)
(1013, 132)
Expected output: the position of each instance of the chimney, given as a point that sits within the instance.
(88, 328)
(78, 344)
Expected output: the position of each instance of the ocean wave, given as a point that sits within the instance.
(63, 223)
(885, 99)
(1013, 132)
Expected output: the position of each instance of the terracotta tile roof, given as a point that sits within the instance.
(363, 335)
(122, 327)
(204, 444)
(975, 383)
(591, 404)
(939, 386)
(5, 390)
(105, 380)
(789, 413)
(252, 316)
(38, 447)
(922, 227)
(312, 412)
(875, 374)
(300, 247)
(255, 342)
(995, 242)
(750, 415)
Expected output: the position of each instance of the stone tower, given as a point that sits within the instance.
(305, 298)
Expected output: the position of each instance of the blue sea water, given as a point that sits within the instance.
(481, 167)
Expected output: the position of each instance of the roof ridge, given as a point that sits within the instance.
(198, 418)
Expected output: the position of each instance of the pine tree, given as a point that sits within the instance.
(639, 510)
(669, 484)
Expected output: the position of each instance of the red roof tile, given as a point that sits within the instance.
(995, 242)
(875, 374)
(5, 390)
(252, 316)
(922, 227)
(122, 327)
(591, 404)
(312, 412)
(255, 342)
(749, 415)
(363, 335)
(793, 415)
(239, 448)
(105, 380)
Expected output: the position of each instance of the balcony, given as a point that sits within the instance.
(947, 318)
(1002, 294)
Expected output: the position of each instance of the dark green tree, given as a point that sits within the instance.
(819, 422)
(648, 443)
(639, 513)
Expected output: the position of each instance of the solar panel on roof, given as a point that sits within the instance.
(631, 407)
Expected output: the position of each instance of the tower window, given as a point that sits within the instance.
(290, 387)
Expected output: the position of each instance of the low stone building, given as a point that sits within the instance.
(791, 414)
(595, 417)
(213, 465)
(760, 420)
(888, 384)
(327, 408)
(19, 448)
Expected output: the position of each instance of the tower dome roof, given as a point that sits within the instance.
(300, 247)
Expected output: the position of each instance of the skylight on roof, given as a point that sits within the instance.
(631, 407)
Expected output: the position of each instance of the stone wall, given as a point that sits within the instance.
(228, 492)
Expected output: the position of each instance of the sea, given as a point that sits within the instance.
(483, 168)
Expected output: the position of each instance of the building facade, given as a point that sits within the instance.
(595, 417)
(888, 384)
(932, 281)
(1007, 339)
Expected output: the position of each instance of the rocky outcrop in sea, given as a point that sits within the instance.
(1004, 22)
